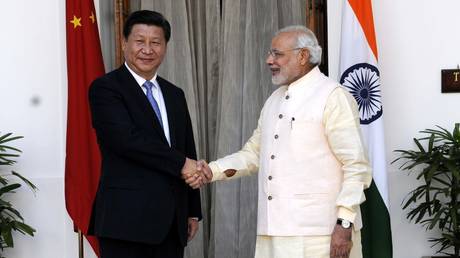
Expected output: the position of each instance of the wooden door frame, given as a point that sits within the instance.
(122, 10)
(316, 20)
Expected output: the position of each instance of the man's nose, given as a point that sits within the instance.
(147, 49)
(269, 59)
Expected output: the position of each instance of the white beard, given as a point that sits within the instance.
(278, 79)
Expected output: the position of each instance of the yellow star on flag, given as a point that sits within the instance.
(92, 18)
(76, 22)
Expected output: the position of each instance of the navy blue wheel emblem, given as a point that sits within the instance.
(363, 82)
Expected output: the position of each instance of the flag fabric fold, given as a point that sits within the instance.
(84, 64)
(359, 73)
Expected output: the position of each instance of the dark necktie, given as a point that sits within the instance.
(148, 86)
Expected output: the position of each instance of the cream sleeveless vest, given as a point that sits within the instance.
(299, 176)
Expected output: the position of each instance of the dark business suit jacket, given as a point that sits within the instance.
(140, 190)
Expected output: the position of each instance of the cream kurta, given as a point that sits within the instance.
(310, 156)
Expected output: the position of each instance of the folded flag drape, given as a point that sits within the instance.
(84, 64)
(359, 73)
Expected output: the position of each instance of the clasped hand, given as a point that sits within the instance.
(196, 173)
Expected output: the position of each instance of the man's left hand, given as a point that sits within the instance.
(341, 242)
(193, 226)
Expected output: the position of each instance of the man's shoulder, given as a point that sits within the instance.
(111, 76)
(167, 85)
(324, 79)
(111, 80)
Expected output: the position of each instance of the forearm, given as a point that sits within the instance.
(245, 161)
(221, 167)
(356, 177)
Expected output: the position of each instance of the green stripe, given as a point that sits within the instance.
(376, 231)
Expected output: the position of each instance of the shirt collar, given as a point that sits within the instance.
(303, 81)
(139, 79)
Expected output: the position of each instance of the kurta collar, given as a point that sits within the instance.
(302, 83)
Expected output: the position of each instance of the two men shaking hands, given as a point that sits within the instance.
(197, 173)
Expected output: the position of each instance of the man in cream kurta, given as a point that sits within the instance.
(310, 156)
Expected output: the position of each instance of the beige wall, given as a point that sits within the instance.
(34, 68)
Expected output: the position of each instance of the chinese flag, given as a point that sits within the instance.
(84, 64)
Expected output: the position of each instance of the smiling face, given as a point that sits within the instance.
(144, 49)
(287, 63)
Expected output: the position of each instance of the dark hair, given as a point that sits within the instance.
(149, 18)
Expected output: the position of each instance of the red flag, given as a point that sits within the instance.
(84, 64)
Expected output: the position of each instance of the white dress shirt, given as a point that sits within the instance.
(158, 96)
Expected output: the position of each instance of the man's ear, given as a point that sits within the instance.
(304, 56)
(123, 44)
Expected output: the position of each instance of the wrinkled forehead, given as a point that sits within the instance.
(284, 40)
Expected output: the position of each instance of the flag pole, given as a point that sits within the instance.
(80, 244)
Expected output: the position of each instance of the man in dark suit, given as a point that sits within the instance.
(143, 207)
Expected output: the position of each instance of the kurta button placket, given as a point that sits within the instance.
(270, 197)
(276, 136)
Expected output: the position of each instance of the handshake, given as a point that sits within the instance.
(196, 173)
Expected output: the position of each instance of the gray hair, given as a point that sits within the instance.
(305, 39)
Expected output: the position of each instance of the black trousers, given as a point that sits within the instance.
(169, 248)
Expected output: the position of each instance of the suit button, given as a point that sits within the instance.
(280, 116)
(270, 197)
(270, 177)
(276, 136)
(272, 156)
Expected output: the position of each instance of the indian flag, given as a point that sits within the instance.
(359, 73)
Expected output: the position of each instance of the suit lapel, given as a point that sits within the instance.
(133, 89)
(169, 98)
